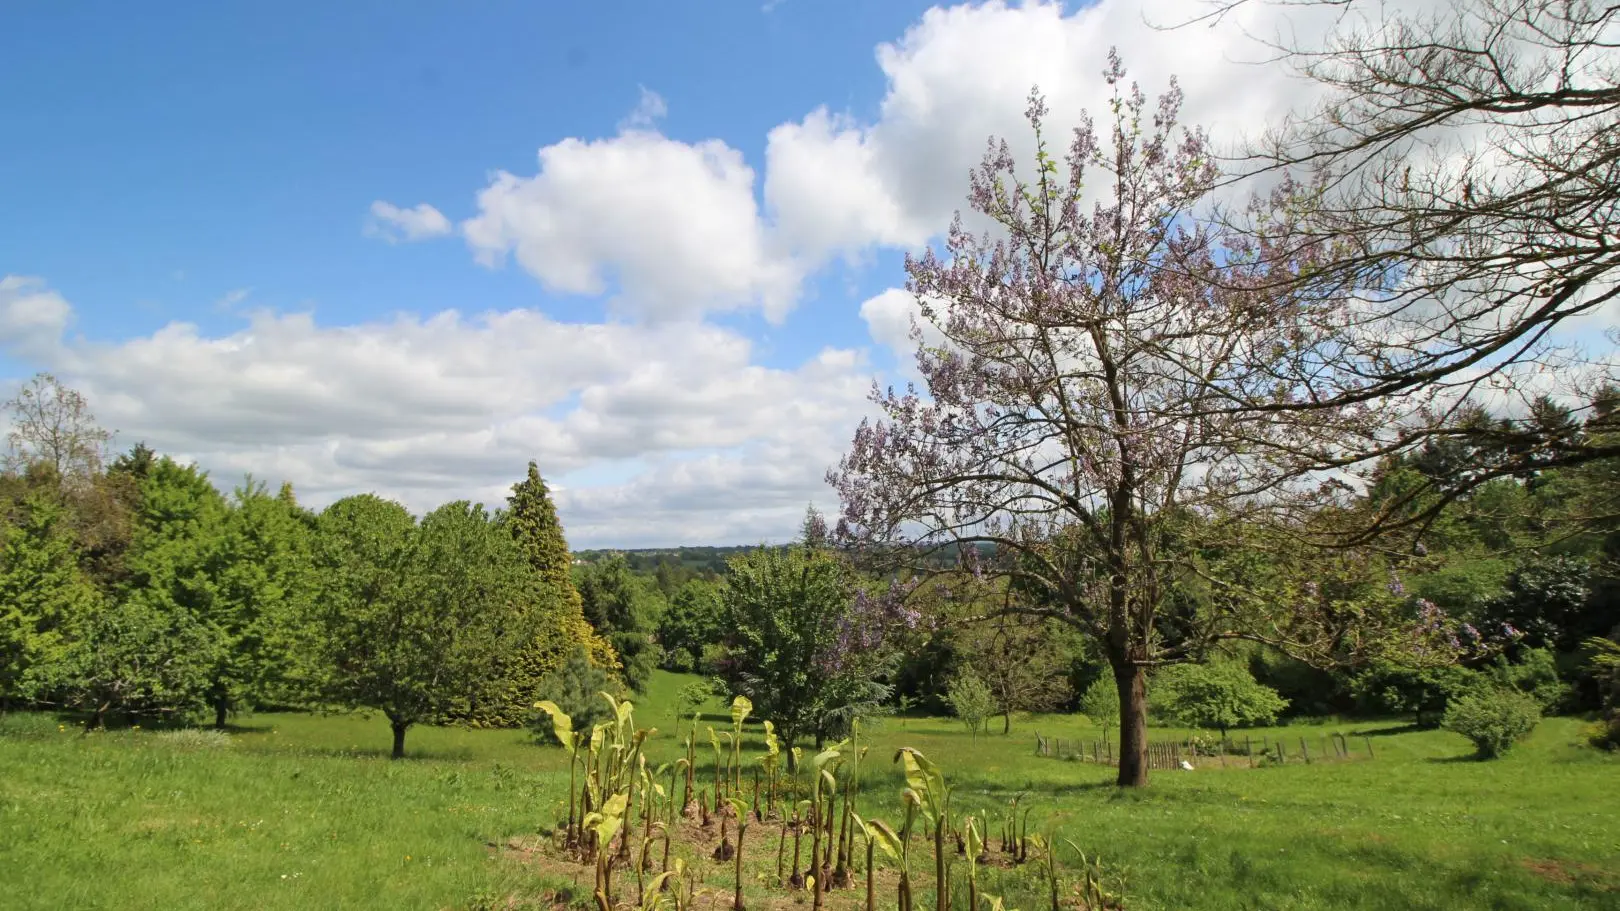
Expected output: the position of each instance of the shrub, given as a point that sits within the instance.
(1605, 666)
(1493, 719)
(1535, 674)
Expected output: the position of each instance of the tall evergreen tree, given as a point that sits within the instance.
(43, 595)
(624, 609)
(560, 626)
(266, 589)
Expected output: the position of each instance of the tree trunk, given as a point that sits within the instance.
(221, 709)
(399, 738)
(1132, 681)
(1006, 722)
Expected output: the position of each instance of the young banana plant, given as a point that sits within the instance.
(877, 834)
(928, 783)
(662, 834)
(912, 803)
(801, 812)
(741, 708)
(846, 834)
(974, 844)
(563, 727)
(714, 741)
(652, 897)
(741, 810)
(691, 767)
(823, 784)
(604, 825)
(675, 771)
(770, 761)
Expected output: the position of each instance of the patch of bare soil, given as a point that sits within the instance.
(1567, 873)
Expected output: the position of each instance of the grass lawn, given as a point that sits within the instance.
(306, 812)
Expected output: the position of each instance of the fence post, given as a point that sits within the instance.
(1369, 747)
(1248, 749)
(1305, 750)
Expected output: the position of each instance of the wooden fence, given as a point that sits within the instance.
(1252, 751)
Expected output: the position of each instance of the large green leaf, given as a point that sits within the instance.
(608, 820)
(740, 709)
(924, 777)
(827, 755)
(881, 835)
(561, 724)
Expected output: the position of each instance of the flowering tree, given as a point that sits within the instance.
(1465, 157)
(1080, 421)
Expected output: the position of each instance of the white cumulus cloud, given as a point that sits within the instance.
(394, 224)
(678, 417)
(672, 227)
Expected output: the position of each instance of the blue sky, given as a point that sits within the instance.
(407, 247)
(175, 153)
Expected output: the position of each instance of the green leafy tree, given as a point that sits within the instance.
(1023, 662)
(692, 620)
(43, 596)
(417, 615)
(1387, 688)
(622, 609)
(1546, 599)
(176, 562)
(796, 645)
(558, 621)
(971, 700)
(136, 659)
(1221, 695)
(1101, 702)
(264, 602)
(1533, 672)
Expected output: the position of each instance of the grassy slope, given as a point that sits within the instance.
(304, 812)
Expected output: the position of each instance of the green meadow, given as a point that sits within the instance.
(298, 811)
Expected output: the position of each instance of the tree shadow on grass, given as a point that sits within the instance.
(240, 730)
(1407, 728)
(459, 754)
(1465, 757)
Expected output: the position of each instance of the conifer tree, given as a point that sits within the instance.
(531, 517)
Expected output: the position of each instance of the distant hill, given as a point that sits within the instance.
(706, 560)
(646, 560)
